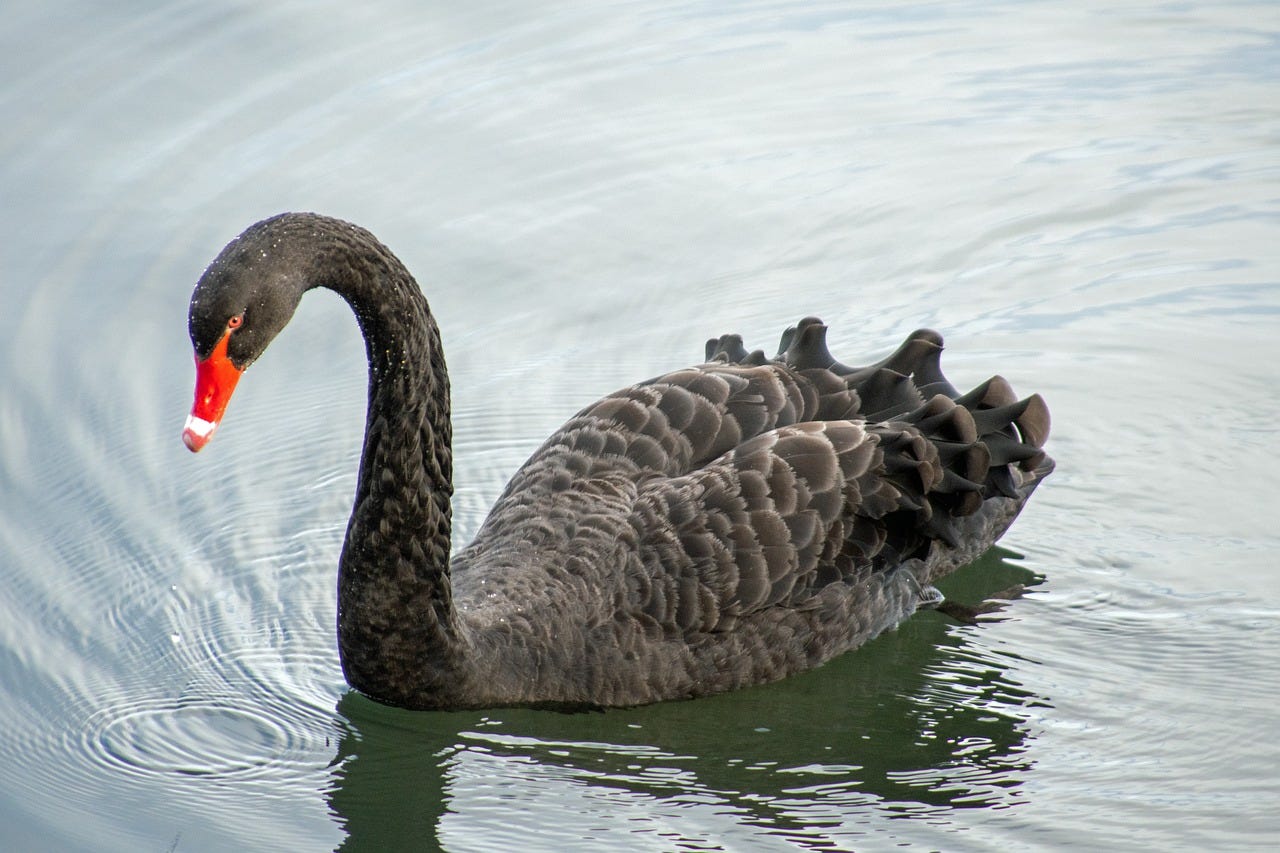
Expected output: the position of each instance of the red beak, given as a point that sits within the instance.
(216, 378)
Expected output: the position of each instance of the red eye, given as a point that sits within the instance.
(234, 322)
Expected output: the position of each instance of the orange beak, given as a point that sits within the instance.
(216, 378)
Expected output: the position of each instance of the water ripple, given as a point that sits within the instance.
(1085, 193)
(195, 737)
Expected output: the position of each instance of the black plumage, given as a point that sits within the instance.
(725, 524)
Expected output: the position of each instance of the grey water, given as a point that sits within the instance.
(1083, 197)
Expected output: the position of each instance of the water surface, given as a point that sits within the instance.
(1085, 199)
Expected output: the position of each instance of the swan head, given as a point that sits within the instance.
(243, 300)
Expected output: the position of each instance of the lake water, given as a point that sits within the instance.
(1083, 197)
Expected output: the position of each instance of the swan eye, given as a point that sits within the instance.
(235, 322)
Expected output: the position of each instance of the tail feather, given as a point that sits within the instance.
(945, 454)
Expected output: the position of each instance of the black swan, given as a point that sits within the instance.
(727, 524)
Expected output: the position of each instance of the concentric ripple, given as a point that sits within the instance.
(201, 737)
(244, 715)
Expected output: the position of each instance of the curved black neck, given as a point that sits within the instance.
(398, 634)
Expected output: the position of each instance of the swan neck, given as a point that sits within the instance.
(398, 633)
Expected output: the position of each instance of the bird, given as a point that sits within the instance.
(722, 525)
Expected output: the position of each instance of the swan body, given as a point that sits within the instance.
(723, 525)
